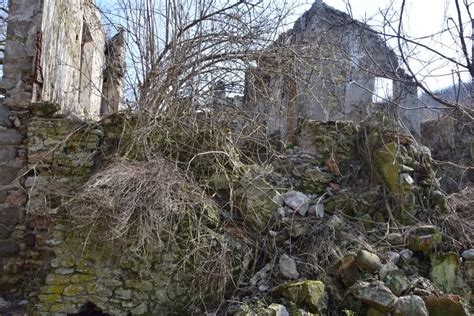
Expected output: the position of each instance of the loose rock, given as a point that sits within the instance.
(410, 305)
(277, 310)
(310, 292)
(397, 282)
(375, 294)
(424, 238)
(288, 267)
(368, 261)
(297, 201)
(449, 305)
(468, 254)
(405, 256)
(393, 257)
(316, 210)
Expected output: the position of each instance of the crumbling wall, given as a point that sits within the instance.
(72, 57)
(325, 68)
(18, 77)
(44, 61)
(114, 74)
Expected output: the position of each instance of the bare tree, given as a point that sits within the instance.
(179, 49)
(446, 50)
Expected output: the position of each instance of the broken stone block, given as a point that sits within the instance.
(374, 294)
(316, 210)
(310, 292)
(410, 305)
(297, 201)
(386, 268)
(396, 281)
(445, 271)
(424, 238)
(277, 310)
(393, 257)
(468, 254)
(368, 261)
(445, 305)
(288, 267)
(347, 270)
(395, 239)
(256, 201)
(405, 256)
(44, 109)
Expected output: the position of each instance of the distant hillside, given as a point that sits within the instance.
(453, 93)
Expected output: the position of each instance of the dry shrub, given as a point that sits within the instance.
(151, 208)
(143, 202)
(457, 223)
(329, 240)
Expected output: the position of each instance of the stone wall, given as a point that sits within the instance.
(62, 154)
(40, 66)
(18, 80)
(325, 68)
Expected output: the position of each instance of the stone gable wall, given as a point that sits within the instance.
(324, 69)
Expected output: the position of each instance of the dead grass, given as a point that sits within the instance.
(457, 223)
(146, 209)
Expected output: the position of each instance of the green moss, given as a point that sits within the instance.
(52, 289)
(56, 279)
(73, 290)
(44, 109)
(63, 308)
(142, 285)
(49, 298)
(82, 278)
(256, 201)
(309, 293)
(67, 262)
(386, 161)
(424, 238)
(445, 270)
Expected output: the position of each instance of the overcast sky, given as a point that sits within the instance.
(422, 19)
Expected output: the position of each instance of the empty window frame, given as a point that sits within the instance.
(383, 90)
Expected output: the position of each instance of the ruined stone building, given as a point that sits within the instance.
(329, 67)
(54, 62)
